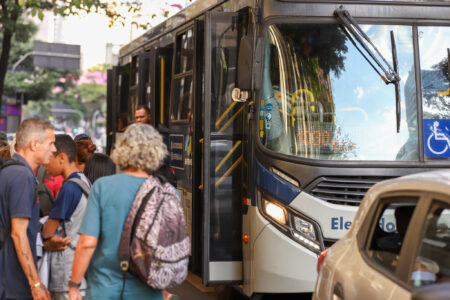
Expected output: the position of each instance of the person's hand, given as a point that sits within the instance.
(74, 294)
(40, 292)
(57, 243)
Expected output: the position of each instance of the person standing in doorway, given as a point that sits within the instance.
(142, 114)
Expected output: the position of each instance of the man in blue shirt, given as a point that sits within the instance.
(19, 212)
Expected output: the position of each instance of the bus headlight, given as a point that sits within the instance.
(305, 233)
(292, 223)
(276, 212)
(304, 227)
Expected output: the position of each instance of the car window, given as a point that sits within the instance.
(432, 264)
(389, 231)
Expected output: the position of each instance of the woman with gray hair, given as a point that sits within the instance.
(139, 152)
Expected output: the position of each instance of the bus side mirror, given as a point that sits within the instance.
(244, 70)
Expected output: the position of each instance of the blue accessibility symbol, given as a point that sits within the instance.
(436, 134)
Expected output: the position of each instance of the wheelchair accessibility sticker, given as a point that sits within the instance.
(436, 135)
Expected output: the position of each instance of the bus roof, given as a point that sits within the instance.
(200, 6)
(183, 16)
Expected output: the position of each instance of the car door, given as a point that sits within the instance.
(374, 265)
(426, 266)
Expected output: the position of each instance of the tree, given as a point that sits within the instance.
(14, 12)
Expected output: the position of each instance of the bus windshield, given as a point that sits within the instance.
(320, 98)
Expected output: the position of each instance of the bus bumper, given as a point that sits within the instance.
(281, 265)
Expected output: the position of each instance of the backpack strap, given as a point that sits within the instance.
(11, 162)
(125, 239)
(40, 174)
(86, 189)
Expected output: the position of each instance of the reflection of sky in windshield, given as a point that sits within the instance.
(434, 42)
(365, 105)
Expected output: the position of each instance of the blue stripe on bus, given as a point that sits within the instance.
(275, 185)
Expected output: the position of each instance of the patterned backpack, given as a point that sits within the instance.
(154, 243)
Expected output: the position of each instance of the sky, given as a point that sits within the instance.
(92, 32)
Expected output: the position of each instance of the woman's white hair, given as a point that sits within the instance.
(140, 147)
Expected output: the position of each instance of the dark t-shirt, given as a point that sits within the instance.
(68, 198)
(17, 200)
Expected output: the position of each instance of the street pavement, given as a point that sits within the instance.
(192, 289)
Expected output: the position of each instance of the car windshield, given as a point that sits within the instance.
(322, 100)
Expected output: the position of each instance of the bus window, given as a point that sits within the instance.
(226, 114)
(162, 85)
(134, 87)
(322, 100)
(181, 96)
(185, 57)
(434, 48)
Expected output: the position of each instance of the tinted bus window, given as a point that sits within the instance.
(185, 47)
(181, 98)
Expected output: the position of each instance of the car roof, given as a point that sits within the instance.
(434, 181)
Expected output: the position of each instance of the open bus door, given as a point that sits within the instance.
(222, 153)
(116, 98)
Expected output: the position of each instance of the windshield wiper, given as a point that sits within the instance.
(357, 35)
(397, 83)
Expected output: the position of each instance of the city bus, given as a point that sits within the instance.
(279, 116)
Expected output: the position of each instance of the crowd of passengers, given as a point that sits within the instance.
(62, 209)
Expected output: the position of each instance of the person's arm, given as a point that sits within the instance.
(22, 246)
(83, 254)
(51, 241)
(49, 228)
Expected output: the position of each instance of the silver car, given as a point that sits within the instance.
(398, 246)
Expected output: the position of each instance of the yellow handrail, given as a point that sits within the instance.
(228, 123)
(222, 162)
(293, 108)
(236, 163)
(225, 114)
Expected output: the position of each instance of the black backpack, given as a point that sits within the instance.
(3, 164)
(46, 199)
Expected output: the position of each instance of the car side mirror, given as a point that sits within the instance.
(244, 70)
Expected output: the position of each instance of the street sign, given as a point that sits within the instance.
(56, 55)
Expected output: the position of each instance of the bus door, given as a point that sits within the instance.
(117, 99)
(155, 88)
(180, 116)
(222, 153)
(144, 83)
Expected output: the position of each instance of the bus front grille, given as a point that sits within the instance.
(345, 190)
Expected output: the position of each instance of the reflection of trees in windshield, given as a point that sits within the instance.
(301, 58)
(435, 90)
(325, 41)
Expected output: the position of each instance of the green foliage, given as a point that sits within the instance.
(21, 44)
(16, 35)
